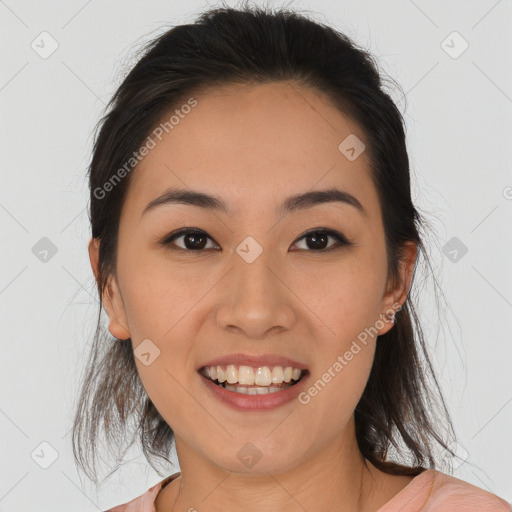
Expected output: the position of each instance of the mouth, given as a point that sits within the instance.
(247, 380)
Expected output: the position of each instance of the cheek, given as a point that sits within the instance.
(346, 297)
(165, 381)
(348, 302)
(345, 352)
(336, 391)
(156, 295)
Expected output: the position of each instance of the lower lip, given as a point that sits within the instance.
(254, 402)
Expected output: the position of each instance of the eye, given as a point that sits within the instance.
(193, 239)
(196, 240)
(319, 239)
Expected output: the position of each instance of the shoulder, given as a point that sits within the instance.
(145, 502)
(434, 491)
(449, 493)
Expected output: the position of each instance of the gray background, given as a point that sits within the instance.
(459, 136)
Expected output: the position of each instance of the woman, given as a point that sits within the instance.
(254, 244)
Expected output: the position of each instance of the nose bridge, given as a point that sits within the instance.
(252, 271)
(254, 284)
(256, 301)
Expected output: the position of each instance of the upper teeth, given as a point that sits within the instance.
(247, 375)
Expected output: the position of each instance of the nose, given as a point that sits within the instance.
(257, 300)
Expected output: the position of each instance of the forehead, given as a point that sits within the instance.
(254, 143)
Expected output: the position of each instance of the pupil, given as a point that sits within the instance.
(194, 237)
(316, 237)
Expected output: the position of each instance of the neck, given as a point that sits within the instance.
(334, 479)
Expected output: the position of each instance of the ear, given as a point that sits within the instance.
(111, 296)
(395, 297)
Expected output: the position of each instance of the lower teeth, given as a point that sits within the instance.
(256, 390)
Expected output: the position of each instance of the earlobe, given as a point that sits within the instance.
(111, 297)
(114, 307)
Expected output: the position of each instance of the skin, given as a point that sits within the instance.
(254, 146)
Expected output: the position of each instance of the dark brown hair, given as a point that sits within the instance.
(255, 45)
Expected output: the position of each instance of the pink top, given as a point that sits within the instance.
(430, 491)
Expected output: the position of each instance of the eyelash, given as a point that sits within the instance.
(341, 239)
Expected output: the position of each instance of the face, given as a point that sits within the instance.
(307, 297)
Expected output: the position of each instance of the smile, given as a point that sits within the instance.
(249, 380)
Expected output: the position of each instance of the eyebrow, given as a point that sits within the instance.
(291, 204)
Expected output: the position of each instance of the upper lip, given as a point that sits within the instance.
(255, 361)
